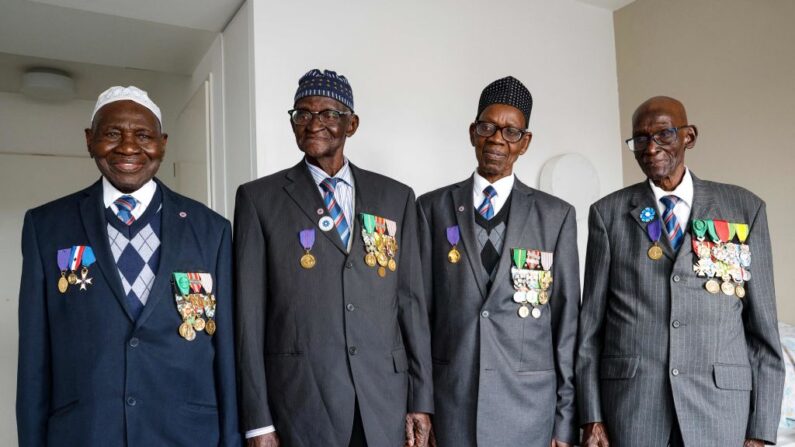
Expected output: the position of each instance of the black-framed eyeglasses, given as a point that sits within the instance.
(302, 117)
(509, 134)
(665, 137)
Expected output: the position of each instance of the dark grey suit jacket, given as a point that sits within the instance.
(654, 344)
(500, 380)
(312, 341)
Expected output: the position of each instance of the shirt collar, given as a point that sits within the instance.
(319, 175)
(684, 190)
(503, 186)
(143, 195)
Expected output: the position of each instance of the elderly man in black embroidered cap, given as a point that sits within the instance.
(333, 338)
(501, 276)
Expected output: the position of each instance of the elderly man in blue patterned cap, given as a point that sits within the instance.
(502, 286)
(333, 339)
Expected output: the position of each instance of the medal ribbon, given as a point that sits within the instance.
(182, 282)
(546, 260)
(195, 282)
(380, 225)
(711, 229)
(519, 257)
(88, 257)
(654, 230)
(742, 232)
(307, 238)
(391, 227)
(77, 257)
(207, 280)
(699, 228)
(64, 255)
(722, 230)
(453, 235)
(732, 231)
(368, 220)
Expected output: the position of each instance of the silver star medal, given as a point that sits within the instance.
(84, 280)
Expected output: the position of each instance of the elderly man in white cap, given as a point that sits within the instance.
(125, 312)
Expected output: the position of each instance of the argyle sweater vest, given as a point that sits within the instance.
(490, 235)
(136, 250)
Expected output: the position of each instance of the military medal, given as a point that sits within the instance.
(453, 237)
(712, 286)
(76, 258)
(536, 313)
(391, 244)
(654, 230)
(88, 259)
(368, 237)
(524, 311)
(647, 214)
(380, 243)
(63, 264)
(381, 271)
(208, 302)
(185, 329)
(307, 238)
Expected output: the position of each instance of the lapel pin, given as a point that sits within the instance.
(183, 214)
(326, 223)
(461, 209)
(320, 211)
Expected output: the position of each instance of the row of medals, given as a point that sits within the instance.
(72, 280)
(532, 288)
(728, 261)
(381, 251)
(191, 307)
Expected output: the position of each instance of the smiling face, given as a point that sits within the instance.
(495, 155)
(126, 143)
(323, 141)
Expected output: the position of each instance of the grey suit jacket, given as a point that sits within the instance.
(500, 380)
(310, 342)
(654, 344)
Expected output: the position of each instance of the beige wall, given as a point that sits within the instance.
(732, 63)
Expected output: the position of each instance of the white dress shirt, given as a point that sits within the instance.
(503, 187)
(682, 208)
(143, 196)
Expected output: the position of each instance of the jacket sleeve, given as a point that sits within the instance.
(592, 312)
(413, 315)
(225, 343)
(34, 368)
(565, 305)
(250, 303)
(761, 330)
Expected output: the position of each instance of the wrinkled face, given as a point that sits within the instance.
(319, 140)
(667, 161)
(126, 143)
(495, 155)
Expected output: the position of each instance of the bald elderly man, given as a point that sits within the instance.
(125, 304)
(678, 340)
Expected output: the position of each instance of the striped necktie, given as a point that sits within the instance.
(334, 208)
(486, 208)
(675, 234)
(125, 205)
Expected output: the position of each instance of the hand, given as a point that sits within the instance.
(556, 443)
(595, 435)
(432, 438)
(753, 443)
(418, 429)
(268, 440)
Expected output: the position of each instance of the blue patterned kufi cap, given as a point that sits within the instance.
(325, 83)
(509, 91)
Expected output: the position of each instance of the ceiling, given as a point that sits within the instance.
(612, 5)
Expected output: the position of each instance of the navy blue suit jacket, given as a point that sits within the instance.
(91, 376)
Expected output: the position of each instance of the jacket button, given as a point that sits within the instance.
(352, 350)
(676, 278)
(484, 314)
(349, 265)
(131, 401)
(134, 342)
(350, 307)
(676, 324)
(675, 372)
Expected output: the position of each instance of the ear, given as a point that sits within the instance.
(352, 126)
(165, 140)
(525, 142)
(472, 134)
(691, 135)
(89, 136)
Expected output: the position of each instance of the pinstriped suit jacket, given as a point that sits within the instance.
(654, 344)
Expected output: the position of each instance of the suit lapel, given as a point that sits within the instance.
(173, 231)
(643, 198)
(303, 190)
(464, 210)
(92, 213)
(522, 201)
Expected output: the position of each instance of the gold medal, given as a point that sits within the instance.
(382, 259)
(524, 311)
(381, 272)
(727, 288)
(191, 335)
(199, 324)
(536, 313)
(72, 278)
(655, 252)
(184, 328)
(453, 256)
(63, 284)
(210, 328)
(370, 260)
(392, 264)
(543, 297)
(712, 286)
(739, 290)
(308, 260)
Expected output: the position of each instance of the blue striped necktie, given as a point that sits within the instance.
(125, 205)
(486, 208)
(675, 234)
(335, 209)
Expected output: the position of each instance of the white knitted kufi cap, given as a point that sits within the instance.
(131, 93)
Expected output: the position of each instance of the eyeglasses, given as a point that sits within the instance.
(302, 117)
(665, 137)
(509, 134)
